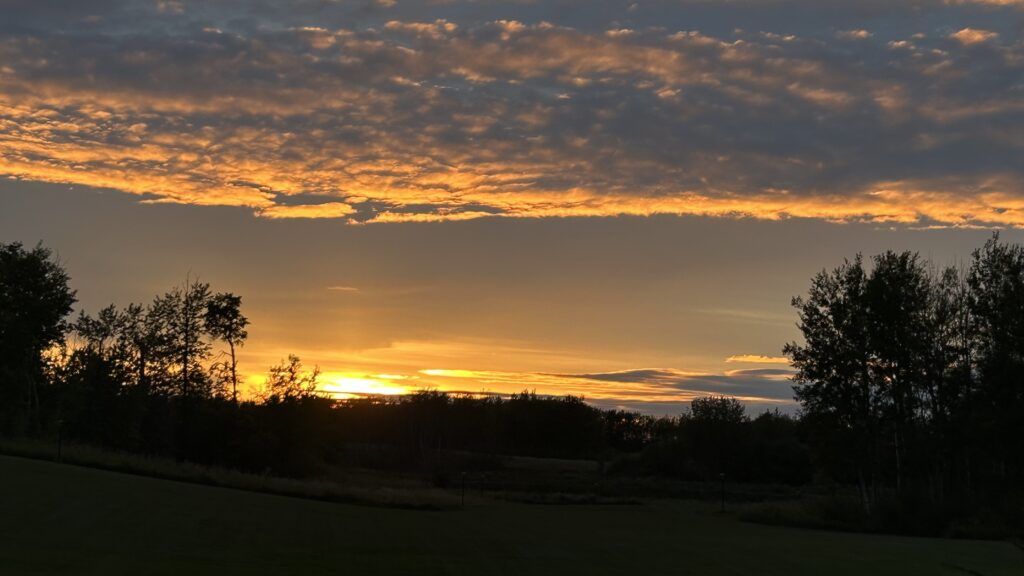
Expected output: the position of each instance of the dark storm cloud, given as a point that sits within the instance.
(391, 111)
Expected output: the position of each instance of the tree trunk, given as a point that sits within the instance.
(234, 374)
(899, 463)
(142, 371)
(865, 497)
(185, 347)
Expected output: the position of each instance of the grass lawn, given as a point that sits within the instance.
(62, 519)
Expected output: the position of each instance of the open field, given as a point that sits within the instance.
(61, 519)
(505, 477)
(342, 485)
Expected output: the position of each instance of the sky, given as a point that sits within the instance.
(611, 199)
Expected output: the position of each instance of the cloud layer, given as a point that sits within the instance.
(655, 386)
(905, 112)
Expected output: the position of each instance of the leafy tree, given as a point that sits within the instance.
(224, 321)
(898, 306)
(949, 383)
(996, 280)
(717, 410)
(35, 300)
(628, 431)
(287, 382)
(715, 428)
(916, 376)
(180, 316)
(102, 347)
(142, 338)
(776, 453)
(99, 332)
(833, 373)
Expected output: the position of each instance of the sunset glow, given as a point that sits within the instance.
(346, 385)
(492, 197)
(512, 286)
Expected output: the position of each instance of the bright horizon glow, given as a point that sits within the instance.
(631, 389)
(354, 385)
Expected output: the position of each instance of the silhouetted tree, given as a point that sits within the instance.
(715, 427)
(898, 306)
(224, 321)
(35, 300)
(288, 381)
(917, 376)
(142, 337)
(718, 411)
(833, 373)
(180, 315)
(776, 452)
(629, 431)
(996, 280)
(949, 385)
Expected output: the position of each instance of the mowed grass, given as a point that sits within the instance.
(62, 519)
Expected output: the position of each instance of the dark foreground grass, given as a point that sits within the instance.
(342, 486)
(60, 519)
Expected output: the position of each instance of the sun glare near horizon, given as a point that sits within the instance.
(347, 385)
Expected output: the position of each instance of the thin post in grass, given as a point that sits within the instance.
(721, 478)
(463, 489)
(60, 440)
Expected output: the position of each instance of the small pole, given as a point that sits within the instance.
(60, 439)
(721, 477)
(463, 489)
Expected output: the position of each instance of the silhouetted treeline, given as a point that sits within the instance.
(717, 437)
(162, 379)
(911, 379)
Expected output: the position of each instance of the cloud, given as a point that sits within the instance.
(170, 6)
(384, 115)
(757, 359)
(973, 36)
(758, 386)
(854, 34)
(659, 391)
(763, 386)
(343, 289)
(324, 210)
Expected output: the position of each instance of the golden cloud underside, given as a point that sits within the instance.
(757, 359)
(417, 122)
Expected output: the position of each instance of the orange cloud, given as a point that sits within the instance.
(325, 210)
(431, 121)
(973, 36)
(757, 359)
